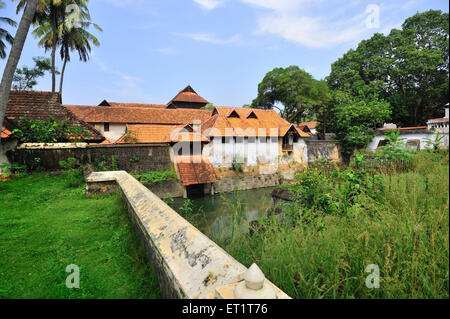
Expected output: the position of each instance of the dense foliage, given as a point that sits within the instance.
(154, 177)
(50, 131)
(321, 244)
(353, 119)
(298, 92)
(409, 68)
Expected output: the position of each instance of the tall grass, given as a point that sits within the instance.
(405, 232)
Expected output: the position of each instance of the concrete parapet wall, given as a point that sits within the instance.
(229, 184)
(187, 263)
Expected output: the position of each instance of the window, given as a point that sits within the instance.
(233, 114)
(252, 115)
(106, 127)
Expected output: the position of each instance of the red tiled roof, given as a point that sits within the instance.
(5, 132)
(267, 123)
(405, 128)
(143, 133)
(42, 105)
(188, 95)
(128, 115)
(119, 104)
(310, 125)
(196, 173)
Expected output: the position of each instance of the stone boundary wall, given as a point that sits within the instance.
(187, 263)
(229, 184)
(129, 157)
(328, 150)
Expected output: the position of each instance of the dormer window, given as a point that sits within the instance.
(233, 114)
(106, 127)
(252, 115)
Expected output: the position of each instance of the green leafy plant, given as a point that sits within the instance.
(434, 144)
(134, 159)
(394, 149)
(50, 131)
(12, 169)
(236, 165)
(74, 174)
(106, 163)
(156, 176)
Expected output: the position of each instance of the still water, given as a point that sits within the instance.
(214, 214)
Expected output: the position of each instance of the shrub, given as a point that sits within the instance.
(74, 174)
(156, 176)
(106, 164)
(50, 131)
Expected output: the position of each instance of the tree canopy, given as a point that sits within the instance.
(299, 94)
(25, 78)
(408, 68)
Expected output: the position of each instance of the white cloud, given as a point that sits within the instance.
(126, 85)
(168, 51)
(277, 5)
(208, 4)
(211, 38)
(314, 24)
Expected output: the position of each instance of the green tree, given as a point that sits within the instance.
(76, 39)
(408, 68)
(25, 78)
(14, 55)
(353, 119)
(299, 94)
(5, 36)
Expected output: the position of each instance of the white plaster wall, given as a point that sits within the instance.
(251, 153)
(115, 130)
(374, 143)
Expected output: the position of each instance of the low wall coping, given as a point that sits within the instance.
(188, 264)
(36, 146)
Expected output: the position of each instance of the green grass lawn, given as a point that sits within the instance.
(46, 226)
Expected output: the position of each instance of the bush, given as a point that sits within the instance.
(156, 176)
(74, 174)
(51, 131)
(106, 164)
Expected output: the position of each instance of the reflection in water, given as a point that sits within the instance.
(214, 214)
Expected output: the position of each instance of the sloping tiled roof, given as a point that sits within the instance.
(143, 133)
(267, 123)
(196, 173)
(42, 105)
(119, 104)
(310, 125)
(188, 95)
(128, 115)
(5, 133)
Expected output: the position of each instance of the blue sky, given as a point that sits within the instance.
(151, 49)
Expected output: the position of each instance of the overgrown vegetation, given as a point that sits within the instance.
(50, 131)
(44, 227)
(106, 163)
(154, 177)
(321, 244)
(73, 173)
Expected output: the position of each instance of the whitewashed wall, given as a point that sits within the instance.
(115, 131)
(374, 143)
(251, 152)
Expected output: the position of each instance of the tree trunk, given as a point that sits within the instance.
(14, 55)
(62, 78)
(55, 38)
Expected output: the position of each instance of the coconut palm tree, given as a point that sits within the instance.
(4, 34)
(14, 55)
(76, 39)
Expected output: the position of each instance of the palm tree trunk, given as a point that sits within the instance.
(14, 56)
(62, 77)
(55, 38)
